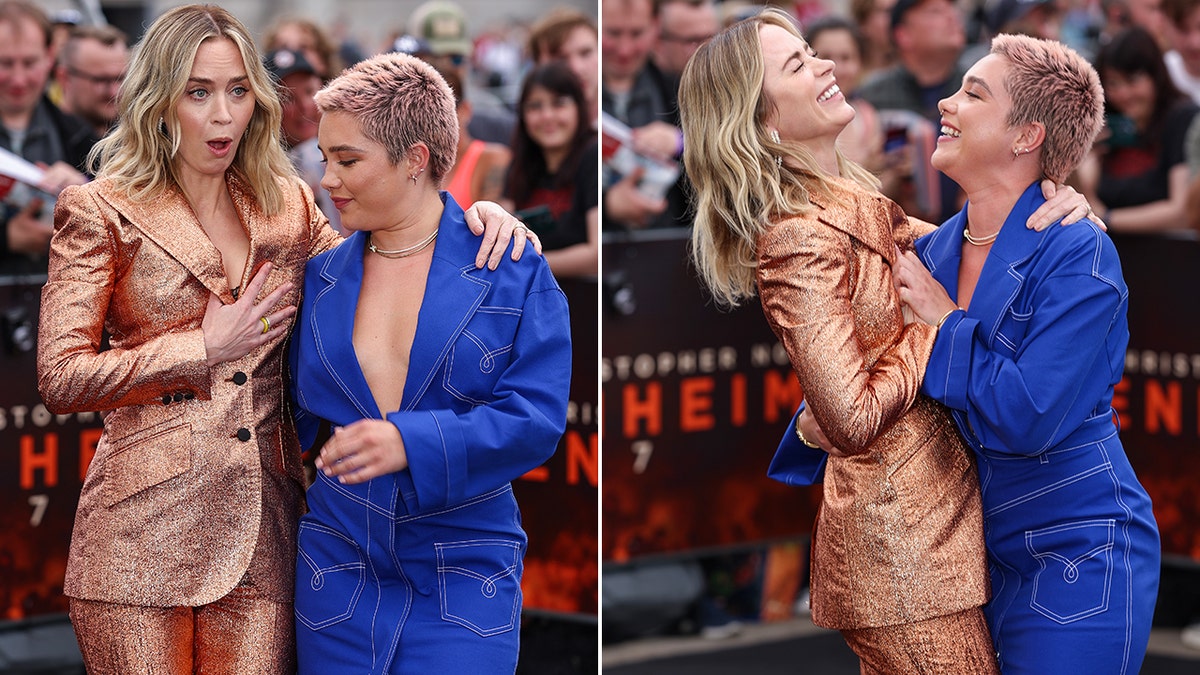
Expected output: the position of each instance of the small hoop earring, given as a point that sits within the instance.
(413, 176)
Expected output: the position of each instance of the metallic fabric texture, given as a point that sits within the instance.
(899, 537)
(945, 645)
(242, 632)
(196, 484)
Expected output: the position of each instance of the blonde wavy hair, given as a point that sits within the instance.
(731, 160)
(140, 158)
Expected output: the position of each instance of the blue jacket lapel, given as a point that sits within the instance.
(334, 305)
(1001, 279)
(941, 252)
(459, 288)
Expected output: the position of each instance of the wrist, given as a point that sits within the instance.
(938, 325)
(800, 435)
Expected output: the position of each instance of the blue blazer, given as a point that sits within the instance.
(485, 400)
(419, 571)
(1043, 343)
(1028, 373)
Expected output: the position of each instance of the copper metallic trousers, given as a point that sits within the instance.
(241, 633)
(957, 644)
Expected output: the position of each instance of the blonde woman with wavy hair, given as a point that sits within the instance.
(187, 252)
(898, 561)
(139, 154)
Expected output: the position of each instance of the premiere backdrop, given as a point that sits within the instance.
(697, 399)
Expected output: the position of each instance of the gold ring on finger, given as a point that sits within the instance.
(266, 324)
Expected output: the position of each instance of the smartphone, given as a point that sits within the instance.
(538, 218)
(895, 138)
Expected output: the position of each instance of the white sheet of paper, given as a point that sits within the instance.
(15, 166)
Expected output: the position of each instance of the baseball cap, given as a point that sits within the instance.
(442, 25)
(283, 62)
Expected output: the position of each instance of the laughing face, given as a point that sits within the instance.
(214, 112)
(975, 136)
(809, 108)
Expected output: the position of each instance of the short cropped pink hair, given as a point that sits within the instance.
(1052, 84)
(399, 101)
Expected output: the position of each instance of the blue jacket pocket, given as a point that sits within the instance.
(330, 575)
(480, 584)
(1076, 569)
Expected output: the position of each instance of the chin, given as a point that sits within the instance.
(938, 160)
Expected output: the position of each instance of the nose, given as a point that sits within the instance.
(221, 110)
(944, 106)
(329, 181)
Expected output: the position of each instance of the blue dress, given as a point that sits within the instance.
(1028, 372)
(419, 571)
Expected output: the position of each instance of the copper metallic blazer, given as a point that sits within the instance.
(899, 537)
(196, 482)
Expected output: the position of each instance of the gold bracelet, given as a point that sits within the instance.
(800, 435)
(944, 317)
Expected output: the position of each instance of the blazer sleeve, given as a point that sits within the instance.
(1026, 401)
(454, 456)
(74, 374)
(805, 286)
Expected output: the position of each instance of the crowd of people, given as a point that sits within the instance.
(60, 95)
(895, 60)
(179, 215)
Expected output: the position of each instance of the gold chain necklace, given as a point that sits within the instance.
(980, 241)
(402, 252)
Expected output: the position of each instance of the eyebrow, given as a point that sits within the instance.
(345, 148)
(971, 79)
(204, 80)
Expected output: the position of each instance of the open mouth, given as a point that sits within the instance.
(829, 93)
(950, 131)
